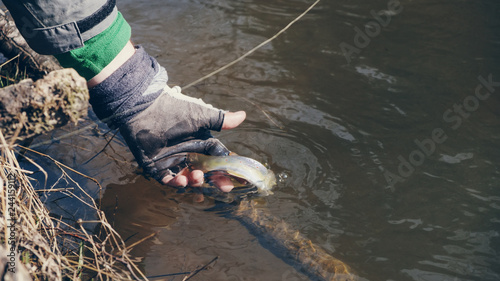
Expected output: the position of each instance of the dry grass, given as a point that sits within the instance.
(50, 248)
(10, 72)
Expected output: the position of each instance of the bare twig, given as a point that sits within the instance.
(59, 164)
(140, 241)
(54, 189)
(97, 154)
(13, 58)
(200, 269)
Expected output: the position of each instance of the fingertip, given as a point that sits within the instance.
(177, 181)
(181, 181)
(196, 178)
(167, 179)
(233, 119)
(226, 188)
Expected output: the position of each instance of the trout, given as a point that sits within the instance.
(236, 166)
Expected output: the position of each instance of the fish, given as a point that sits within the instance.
(240, 167)
(248, 175)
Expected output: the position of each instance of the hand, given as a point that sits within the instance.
(196, 177)
(161, 131)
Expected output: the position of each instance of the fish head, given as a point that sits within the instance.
(265, 185)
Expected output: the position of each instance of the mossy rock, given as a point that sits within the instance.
(32, 108)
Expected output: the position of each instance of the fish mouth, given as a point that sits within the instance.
(237, 194)
(241, 185)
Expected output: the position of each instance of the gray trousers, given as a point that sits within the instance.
(58, 26)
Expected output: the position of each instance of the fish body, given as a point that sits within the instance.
(237, 166)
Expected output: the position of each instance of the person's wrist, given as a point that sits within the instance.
(126, 53)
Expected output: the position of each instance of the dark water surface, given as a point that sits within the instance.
(390, 158)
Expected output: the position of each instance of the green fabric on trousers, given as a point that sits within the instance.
(98, 51)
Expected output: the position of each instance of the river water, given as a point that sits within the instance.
(380, 117)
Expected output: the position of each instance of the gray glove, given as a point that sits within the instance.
(173, 124)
